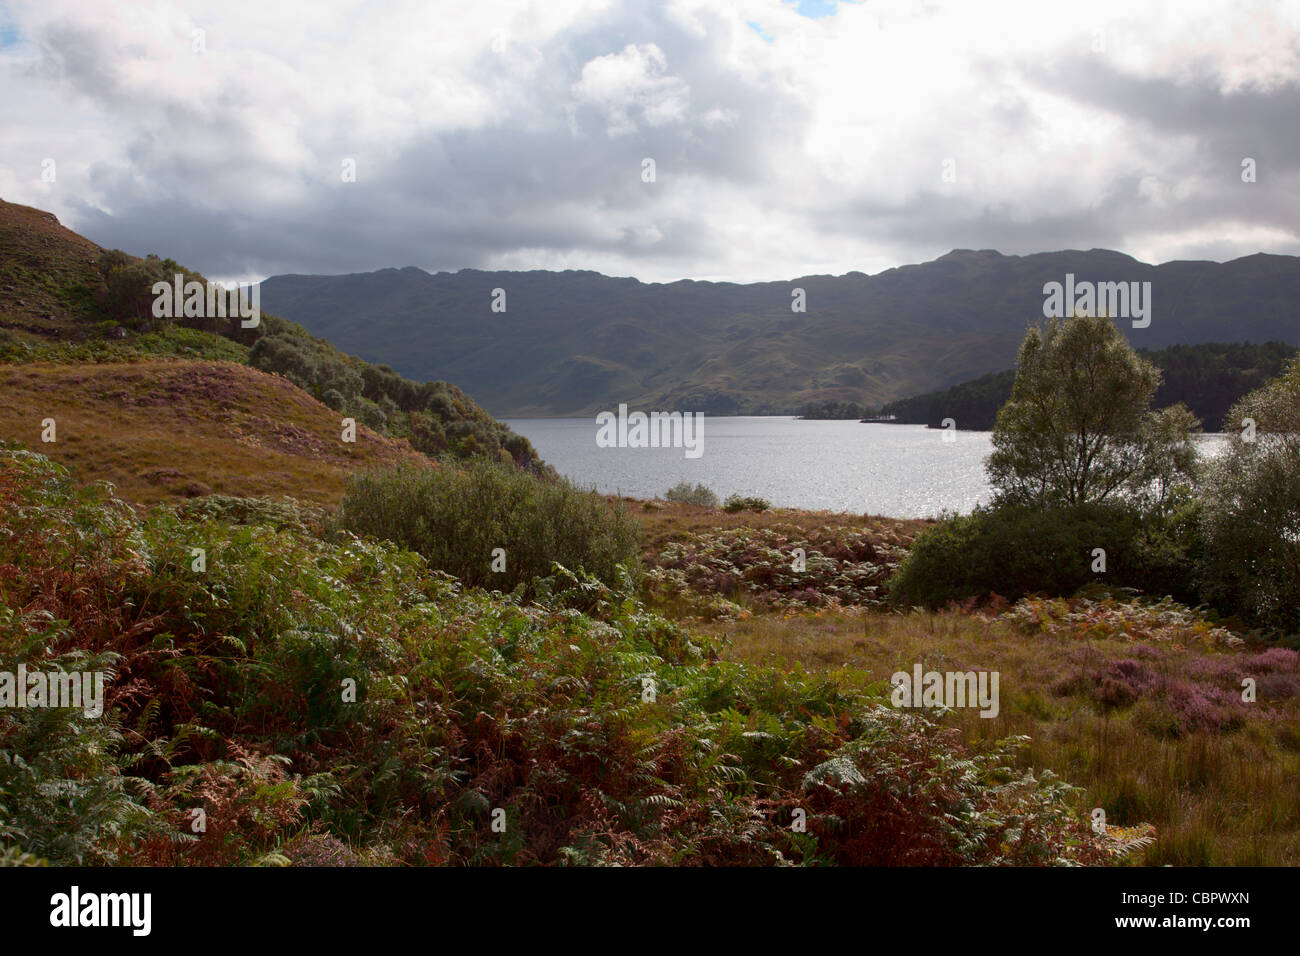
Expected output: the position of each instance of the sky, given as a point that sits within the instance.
(787, 139)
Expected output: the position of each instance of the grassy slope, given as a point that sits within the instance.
(50, 290)
(47, 274)
(160, 429)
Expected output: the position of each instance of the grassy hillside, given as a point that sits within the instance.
(48, 275)
(160, 430)
(64, 299)
(573, 343)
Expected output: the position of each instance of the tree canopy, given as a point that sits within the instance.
(1079, 425)
(1251, 518)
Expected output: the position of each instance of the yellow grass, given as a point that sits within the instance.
(664, 521)
(165, 429)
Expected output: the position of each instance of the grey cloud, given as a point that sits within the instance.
(456, 199)
(546, 175)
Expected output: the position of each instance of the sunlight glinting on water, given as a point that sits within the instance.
(905, 471)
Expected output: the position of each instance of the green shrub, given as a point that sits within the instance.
(127, 289)
(1251, 562)
(279, 514)
(62, 796)
(735, 503)
(683, 494)
(1014, 551)
(457, 516)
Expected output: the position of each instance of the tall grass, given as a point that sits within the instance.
(1154, 732)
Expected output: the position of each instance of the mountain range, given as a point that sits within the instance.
(574, 343)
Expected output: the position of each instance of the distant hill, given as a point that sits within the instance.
(1207, 378)
(65, 300)
(573, 343)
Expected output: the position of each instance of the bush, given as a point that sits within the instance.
(1014, 551)
(62, 797)
(684, 494)
(1251, 563)
(279, 514)
(457, 517)
(127, 289)
(735, 503)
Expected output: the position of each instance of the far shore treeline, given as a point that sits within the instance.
(1207, 378)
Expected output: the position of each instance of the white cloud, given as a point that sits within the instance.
(634, 80)
(512, 133)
